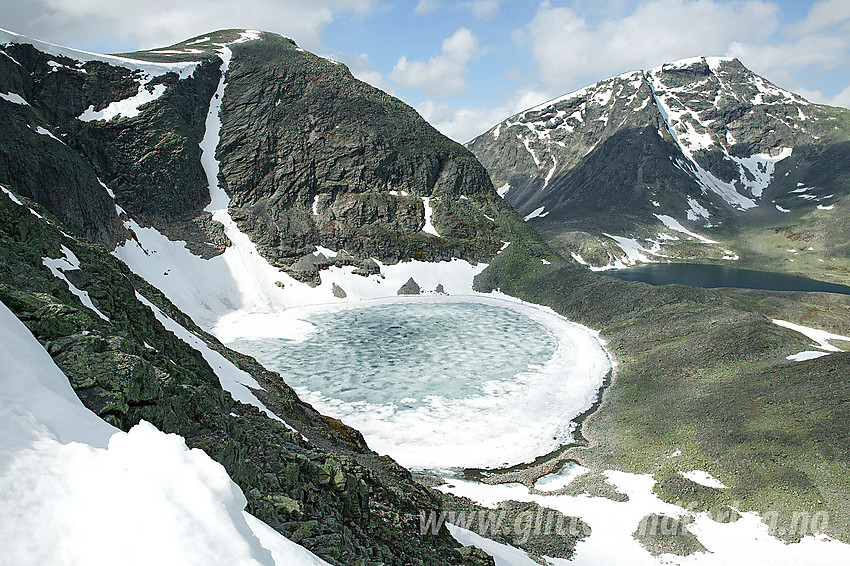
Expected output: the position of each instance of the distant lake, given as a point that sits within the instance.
(712, 276)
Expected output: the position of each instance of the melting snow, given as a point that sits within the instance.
(127, 108)
(70, 263)
(696, 210)
(536, 213)
(183, 69)
(820, 336)
(703, 478)
(61, 466)
(612, 523)
(561, 478)
(806, 355)
(674, 224)
(635, 253)
(14, 98)
(429, 227)
(760, 167)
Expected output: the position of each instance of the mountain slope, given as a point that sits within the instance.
(699, 145)
(125, 168)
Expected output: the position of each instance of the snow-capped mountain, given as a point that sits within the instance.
(701, 144)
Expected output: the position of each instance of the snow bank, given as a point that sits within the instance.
(675, 225)
(429, 226)
(536, 213)
(74, 490)
(822, 337)
(70, 263)
(14, 98)
(612, 523)
(703, 478)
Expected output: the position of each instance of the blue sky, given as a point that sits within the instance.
(465, 65)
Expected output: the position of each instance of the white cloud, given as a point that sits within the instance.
(841, 99)
(465, 123)
(824, 15)
(157, 23)
(426, 6)
(480, 9)
(442, 75)
(570, 51)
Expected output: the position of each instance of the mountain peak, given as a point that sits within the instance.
(701, 140)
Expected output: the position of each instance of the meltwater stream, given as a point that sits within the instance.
(444, 382)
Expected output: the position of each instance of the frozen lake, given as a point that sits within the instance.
(443, 381)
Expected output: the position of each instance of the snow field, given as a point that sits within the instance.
(64, 473)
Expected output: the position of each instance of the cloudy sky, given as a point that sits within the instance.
(466, 65)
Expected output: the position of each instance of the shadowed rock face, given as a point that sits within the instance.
(310, 155)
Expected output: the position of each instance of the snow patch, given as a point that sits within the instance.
(503, 190)
(696, 210)
(127, 108)
(674, 224)
(14, 98)
(806, 355)
(232, 379)
(635, 253)
(820, 336)
(45, 132)
(703, 478)
(429, 226)
(61, 466)
(757, 170)
(70, 263)
(561, 478)
(536, 213)
(183, 69)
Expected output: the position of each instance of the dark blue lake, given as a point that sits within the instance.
(712, 276)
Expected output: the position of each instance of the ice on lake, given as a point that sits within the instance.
(444, 382)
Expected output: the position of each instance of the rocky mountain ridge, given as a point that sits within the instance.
(699, 145)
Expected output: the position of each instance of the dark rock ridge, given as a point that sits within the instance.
(704, 141)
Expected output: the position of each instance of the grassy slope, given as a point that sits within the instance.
(704, 372)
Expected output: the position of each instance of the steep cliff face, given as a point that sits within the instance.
(311, 156)
(702, 141)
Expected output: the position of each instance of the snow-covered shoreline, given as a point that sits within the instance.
(507, 423)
